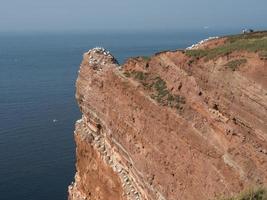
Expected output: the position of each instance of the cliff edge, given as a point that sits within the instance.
(184, 124)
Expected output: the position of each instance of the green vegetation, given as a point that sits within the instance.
(163, 96)
(252, 194)
(190, 61)
(158, 89)
(234, 64)
(255, 35)
(161, 89)
(140, 75)
(197, 53)
(160, 85)
(253, 42)
(127, 74)
(146, 58)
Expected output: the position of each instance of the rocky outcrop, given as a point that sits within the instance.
(170, 127)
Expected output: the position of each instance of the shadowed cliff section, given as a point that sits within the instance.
(185, 124)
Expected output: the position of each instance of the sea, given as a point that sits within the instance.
(37, 101)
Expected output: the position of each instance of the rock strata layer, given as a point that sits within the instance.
(170, 127)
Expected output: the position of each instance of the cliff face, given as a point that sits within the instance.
(177, 125)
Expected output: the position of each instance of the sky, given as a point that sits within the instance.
(88, 15)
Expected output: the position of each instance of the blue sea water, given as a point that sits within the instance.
(37, 85)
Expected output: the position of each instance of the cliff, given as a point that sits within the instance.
(184, 124)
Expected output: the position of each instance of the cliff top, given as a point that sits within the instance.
(208, 49)
(250, 42)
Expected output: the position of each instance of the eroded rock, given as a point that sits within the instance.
(142, 147)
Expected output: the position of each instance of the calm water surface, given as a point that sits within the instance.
(37, 80)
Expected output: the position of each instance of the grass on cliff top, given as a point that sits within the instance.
(255, 35)
(251, 194)
(252, 42)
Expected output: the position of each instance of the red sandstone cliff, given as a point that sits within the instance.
(173, 126)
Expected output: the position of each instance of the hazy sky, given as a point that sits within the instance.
(49, 15)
